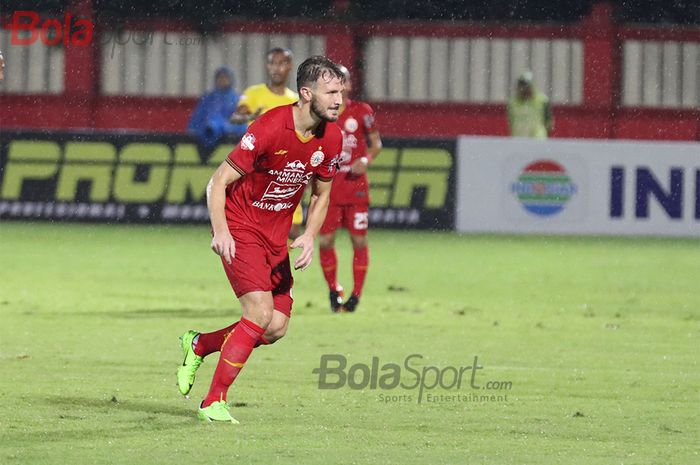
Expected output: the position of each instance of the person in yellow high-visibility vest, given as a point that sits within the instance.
(259, 98)
(529, 113)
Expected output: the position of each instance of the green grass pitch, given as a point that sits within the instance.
(597, 339)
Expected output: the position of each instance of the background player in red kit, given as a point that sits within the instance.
(251, 198)
(349, 206)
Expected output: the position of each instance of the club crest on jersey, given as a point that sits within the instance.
(351, 124)
(316, 158)
(248, 141)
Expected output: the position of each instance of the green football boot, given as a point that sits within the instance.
(190, 364)
(217, 411)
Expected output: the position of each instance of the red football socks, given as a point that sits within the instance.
(208, 343)
(329, 264)
(360, 261)
(234, 352)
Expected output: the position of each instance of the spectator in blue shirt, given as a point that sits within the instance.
(210, 120)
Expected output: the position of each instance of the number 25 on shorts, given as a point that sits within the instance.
(361, 221)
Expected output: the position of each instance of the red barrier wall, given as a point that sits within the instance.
(600, 115)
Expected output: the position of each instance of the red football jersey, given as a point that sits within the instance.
(356, 121)
(276, 165)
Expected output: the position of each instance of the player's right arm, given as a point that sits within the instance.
(222, 243)
(237, 164)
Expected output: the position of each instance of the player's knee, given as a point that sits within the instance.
(275, 331)
(259, 310)
(275, 335)
(326, 241)
(358, 242)
(261, 317)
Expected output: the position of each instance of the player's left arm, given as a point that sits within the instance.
(374, 146)
(318, 206)
(374, 142)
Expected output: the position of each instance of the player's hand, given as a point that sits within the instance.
(255, 115)
(358, 168)
(306, 242)
(224, 246)
(239, 118)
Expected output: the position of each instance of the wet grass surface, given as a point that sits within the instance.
(587, 352)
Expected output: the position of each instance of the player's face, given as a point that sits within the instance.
(278, 67)
(327, 97)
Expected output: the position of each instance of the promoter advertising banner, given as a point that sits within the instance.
(578, 187)
(151, 178)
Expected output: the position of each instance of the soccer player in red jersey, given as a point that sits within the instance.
(349, 207)
(251, 198)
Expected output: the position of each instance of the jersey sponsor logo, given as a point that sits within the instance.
(295, 166)
(289, 177)
(281, 152)
(277, 191)
(273, 207)
(317, 157)
(351, 124)
(248, 141)
(294, 173)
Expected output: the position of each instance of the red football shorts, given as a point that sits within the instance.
(354, 218)
(258, 267)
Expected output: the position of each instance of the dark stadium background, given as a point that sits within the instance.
(637, 11)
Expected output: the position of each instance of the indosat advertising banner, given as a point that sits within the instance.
(511, 185)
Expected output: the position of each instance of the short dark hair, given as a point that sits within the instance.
(284, 51)
(314, 67)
